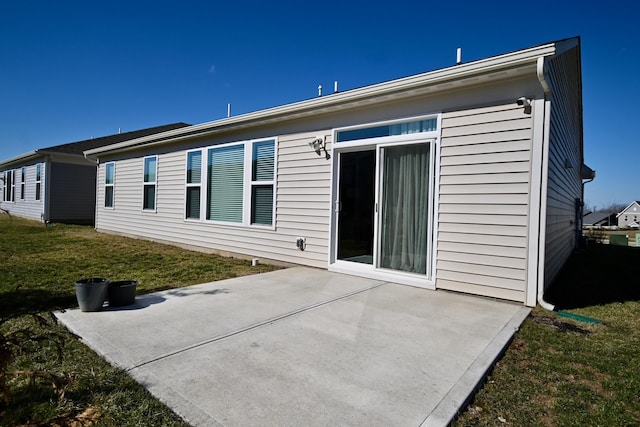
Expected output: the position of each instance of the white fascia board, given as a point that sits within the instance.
(19, 159)
(455, 76)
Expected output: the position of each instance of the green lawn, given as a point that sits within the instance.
(50, 376)
(556, 371)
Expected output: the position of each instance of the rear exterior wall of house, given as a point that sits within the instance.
(483, 200)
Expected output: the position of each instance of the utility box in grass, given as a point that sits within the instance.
(619, 239)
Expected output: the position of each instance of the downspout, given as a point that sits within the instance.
(543, 184)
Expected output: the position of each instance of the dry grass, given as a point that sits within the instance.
(51, 377)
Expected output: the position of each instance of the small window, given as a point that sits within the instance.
(406, 128)
(109, 182)
(23, 176)
(262, 180)
(193, 184)
(38, 180)
(9, 186)
(150, 180)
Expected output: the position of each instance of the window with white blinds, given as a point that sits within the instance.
(193, 184)
(225, 183)
(262, 180)
(239, 183)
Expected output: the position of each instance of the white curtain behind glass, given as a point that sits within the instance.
(405, 208)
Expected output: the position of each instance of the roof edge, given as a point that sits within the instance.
(404, 84)
(19, 158)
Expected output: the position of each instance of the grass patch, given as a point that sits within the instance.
(52, 378)
(561, 372)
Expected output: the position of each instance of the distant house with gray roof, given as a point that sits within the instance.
(58, 184)
(600, 219)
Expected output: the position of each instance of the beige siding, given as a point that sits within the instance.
(302, 207)
(565, 159)
(483, 202)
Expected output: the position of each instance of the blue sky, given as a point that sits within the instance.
(73, 70)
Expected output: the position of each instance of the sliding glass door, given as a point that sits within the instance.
(383, 206)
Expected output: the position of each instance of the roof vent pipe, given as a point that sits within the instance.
(335, 87)
(319, 90)
(228, 110)
(459, 56)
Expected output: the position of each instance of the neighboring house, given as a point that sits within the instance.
(629, 217)
(58, 184)
(600, 219)
(467, 178)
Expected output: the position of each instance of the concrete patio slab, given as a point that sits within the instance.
(304, 346)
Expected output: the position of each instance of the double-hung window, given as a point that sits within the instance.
(9, 186)
(109, 181)
(193, 184)
(150, 181)
(262, 180)
(38, 180)
(23, 176)
(239, 184)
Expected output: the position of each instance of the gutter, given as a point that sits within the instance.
(429, 82)
(19, 159)
(544, 183)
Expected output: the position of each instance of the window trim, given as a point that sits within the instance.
(111, 185)
(23, 179)
(153, 183)
(247, 184)
(200, 185)
(259, 183)
(9, 193)
(378, 143)
(38, 188)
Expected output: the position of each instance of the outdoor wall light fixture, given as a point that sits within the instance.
(525, 103)
(319, 145)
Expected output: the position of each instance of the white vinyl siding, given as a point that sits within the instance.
(483, 201)
(302, 182)
(565, 149)
(23, 202)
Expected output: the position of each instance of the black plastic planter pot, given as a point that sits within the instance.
(122, 293)
(91, 293)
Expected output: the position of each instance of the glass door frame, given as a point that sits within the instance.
(379, 143)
